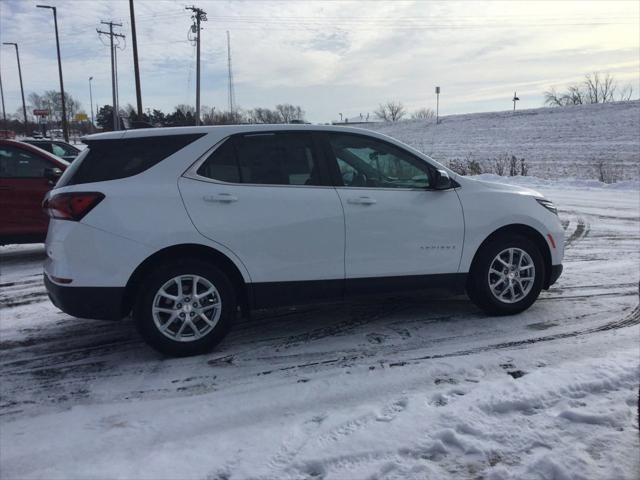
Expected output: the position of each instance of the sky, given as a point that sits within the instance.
(329, 57)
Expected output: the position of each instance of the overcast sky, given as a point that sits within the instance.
(328, 57)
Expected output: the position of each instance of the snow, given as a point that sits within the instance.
(555, 142)
(405, 387)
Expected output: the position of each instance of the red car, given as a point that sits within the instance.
(27, 173)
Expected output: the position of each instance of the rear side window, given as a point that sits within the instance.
(222, 164)
(265, 159)
(18, 163)
(120, 158)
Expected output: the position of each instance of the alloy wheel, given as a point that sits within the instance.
(186, 308)
(511, 275)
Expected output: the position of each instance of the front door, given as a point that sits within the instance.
(398, 229)
(266, 197)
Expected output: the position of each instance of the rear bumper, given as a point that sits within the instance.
(100, 303)
(556, 271)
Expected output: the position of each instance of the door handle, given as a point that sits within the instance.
(362, 200)
(221, 198)
(5, 187)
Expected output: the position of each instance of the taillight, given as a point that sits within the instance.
(72, 205)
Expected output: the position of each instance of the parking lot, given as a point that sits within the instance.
(343, 389)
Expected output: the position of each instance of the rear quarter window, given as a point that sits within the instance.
(106, 160)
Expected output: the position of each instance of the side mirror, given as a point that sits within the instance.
(52, 174)
(443, 182)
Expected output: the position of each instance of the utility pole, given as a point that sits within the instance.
(136, 68)
(91, 100)
(65, 126)
(4, 111)
(198, 16)
(24, 105)
(113, 70)
(437, 105)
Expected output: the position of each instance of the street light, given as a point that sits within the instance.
(91, 100)
(24, 105)
(65, 129)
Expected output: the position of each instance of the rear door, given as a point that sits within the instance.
(22, 189)
(267, 198)
(398, 229)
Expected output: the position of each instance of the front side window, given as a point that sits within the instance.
(367, 162)
(265, 159)
(65, 149)
(57, 150)
(18, 163)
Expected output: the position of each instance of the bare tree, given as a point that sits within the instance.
(423, 114)
(289, 112)
(500, 164)
(390, 111)
(264, 115)
(599, 88)
(185, 108)
(553, 98)
(574, 95)
(626, 93)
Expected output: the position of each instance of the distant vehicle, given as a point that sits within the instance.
(27, 173)
(37, 134)
(7, 134)
(184, 226)
(59, 148)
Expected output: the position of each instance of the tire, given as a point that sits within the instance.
(154, 311)
(483, 275)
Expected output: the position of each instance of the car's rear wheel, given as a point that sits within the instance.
(507, 275)
(185, 308)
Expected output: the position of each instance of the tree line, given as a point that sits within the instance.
(596, 87)
(185, 115)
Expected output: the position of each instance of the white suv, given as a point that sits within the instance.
(185, 227)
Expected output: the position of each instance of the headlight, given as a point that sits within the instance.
(548, 204)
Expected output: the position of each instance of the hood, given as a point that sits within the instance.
(497, 187)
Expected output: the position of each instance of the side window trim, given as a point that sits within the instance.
(337, 177)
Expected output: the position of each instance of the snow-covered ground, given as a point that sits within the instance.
(555, 142)
(396, 388)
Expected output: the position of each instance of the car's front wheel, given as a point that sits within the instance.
(185, 307)
(507, 275)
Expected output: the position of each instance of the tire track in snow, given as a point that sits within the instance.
(317, 439)
(581, 230)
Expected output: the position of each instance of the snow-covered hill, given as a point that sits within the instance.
(556, 142)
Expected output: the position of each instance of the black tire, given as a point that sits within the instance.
(478, 287)
(144, 319)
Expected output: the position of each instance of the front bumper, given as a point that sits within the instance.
(556, 271)
(100, 303)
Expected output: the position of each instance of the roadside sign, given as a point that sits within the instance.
(41, 112)
(80, 117)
